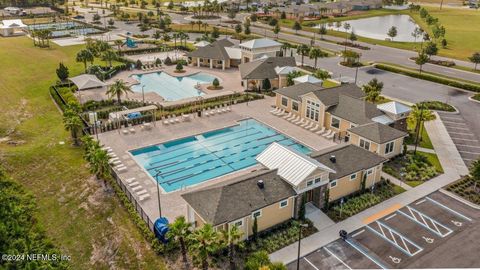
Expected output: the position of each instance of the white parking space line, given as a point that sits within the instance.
(461, 133)
(466, 145)
(311, 263)
(452, 118)
(461, 139)
(365, 254)
(331, 253)
(449, 209)
(391, 216)
(419, 202)
(358, 233)
(458, 128)
(456, 123)
(467, 152)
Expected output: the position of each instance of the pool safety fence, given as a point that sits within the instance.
(133, 200)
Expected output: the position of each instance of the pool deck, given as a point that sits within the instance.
(172, 204)
(229, 80)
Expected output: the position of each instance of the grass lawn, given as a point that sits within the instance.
(84, 222)
(461, 30)
(433, 159)
(424, 139)
(476, 97)
(328, 83)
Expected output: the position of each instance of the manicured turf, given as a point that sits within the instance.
(83, 220)
(433, 159)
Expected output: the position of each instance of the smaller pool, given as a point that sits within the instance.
(172, 88)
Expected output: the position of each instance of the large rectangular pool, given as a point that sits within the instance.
(193, 160)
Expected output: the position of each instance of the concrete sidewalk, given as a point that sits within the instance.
(453, 167)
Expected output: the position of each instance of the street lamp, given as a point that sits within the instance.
(158, 193)
(143, 94)
(300, 227)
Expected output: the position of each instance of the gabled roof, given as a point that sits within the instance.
(230, 201)
(12, 23)
(292, 166)
(377, 132)
(349, 159)
(307, 78)
(87, 81)
(394, 107)
(355, 110)
(285, 70)
(234, 53)
(330, 96)
(216, 50)
(202, 43)
(259, 43)
(264, 68)
(383, 119)
(297, 90)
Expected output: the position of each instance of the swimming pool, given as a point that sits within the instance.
(169, 87)
(193, 160)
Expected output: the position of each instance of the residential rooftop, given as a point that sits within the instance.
(377, 132)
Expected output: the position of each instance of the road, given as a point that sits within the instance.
(377, 53)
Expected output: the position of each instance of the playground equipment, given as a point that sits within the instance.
(130, 43)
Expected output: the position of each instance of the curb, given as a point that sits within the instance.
(472, 99)
(460, 199)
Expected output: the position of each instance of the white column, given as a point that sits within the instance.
(223, 64)
(211, 63)
(198, 62)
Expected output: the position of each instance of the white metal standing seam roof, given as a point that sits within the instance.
(383, 119)
(394, 107)
(87, 81)
(234, 53)
(292, 166)
(260, 43)
(307, 78)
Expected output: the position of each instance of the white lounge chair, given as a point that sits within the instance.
(328, 133)
(130, 180)
(330, 136)
(307, 122)
(207, 113)
(228, 109)
(219, 111)
(282, 112)
(121, 169)
(321, 131)
(299, 121)
(117, 162)
(213, 112)
(177, 120)
(294, 119)
(310, 125)
(287, 116)
(172, 121)
(137, 188)
(315, 128)
(144, 197)
(274, 111)
(134, 183)
(125, 132)
(166, 122)
(291, 117)
(132, 130)
(141, 192)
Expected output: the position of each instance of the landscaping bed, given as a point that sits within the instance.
(438, 106)
(361, 201)
(353, 45)
(466, 189)
(476, 97)
(437, 62)
(414, 169)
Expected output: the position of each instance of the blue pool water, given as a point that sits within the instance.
(192, 160)
(169, 87)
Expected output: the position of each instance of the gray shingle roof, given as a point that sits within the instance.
(329, 96)
(355, 110)
(264, 68)
(239, 198)
(297, 90)
(349, 159)
(377, 132)
(216, 50)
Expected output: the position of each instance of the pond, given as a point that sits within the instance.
(377, 27)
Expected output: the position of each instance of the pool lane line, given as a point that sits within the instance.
(364, 253)
(449, 209)
(335, 256)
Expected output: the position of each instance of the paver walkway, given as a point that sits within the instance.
(421, 149)
(452, 165)
(320, 220)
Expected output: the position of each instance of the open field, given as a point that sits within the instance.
(83, 220)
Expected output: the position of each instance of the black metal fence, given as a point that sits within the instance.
(133, 200)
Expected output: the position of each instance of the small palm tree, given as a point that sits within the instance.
(109, 56)
(315, 53)
(230, 238)
(118, 89)
(99, 163)
(72, 123)
(118, 43)
(303, 50)
(203, 243)
(180, 230)
(84, 56)
(373, 89)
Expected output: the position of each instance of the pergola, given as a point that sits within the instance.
(117, 116)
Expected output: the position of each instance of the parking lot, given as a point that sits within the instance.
(465, 140)
(436, 231)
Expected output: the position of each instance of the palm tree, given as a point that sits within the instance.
(230, 238)
(203, 243)
(118, 43)
(303, 50)
(117, 89)
(373, 89)
(72, 123)
(179, 230)
(84, 56)
(175, 36)
(99, 163)
(315, 53)
(109, 56)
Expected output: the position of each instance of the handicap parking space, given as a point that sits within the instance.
(467, 143)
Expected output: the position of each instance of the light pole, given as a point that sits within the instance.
(300, 227)
(158, 194)
(356, 74)
(143, 94)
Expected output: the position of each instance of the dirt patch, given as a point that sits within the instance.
(105, 253)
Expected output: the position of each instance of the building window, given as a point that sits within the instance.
(318, 179)
(312, 110)
(257, 214)
(333, 183)
(309, 183)
(295, 106)
(284, 101)
(335, 122)
(389, 147)
(284, 203)
(353, 176)
(365, 144)
(369, 171)
(238, 223)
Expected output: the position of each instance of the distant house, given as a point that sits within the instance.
(274, 69)
(12, 28)
(343, 110)
(274, 193)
